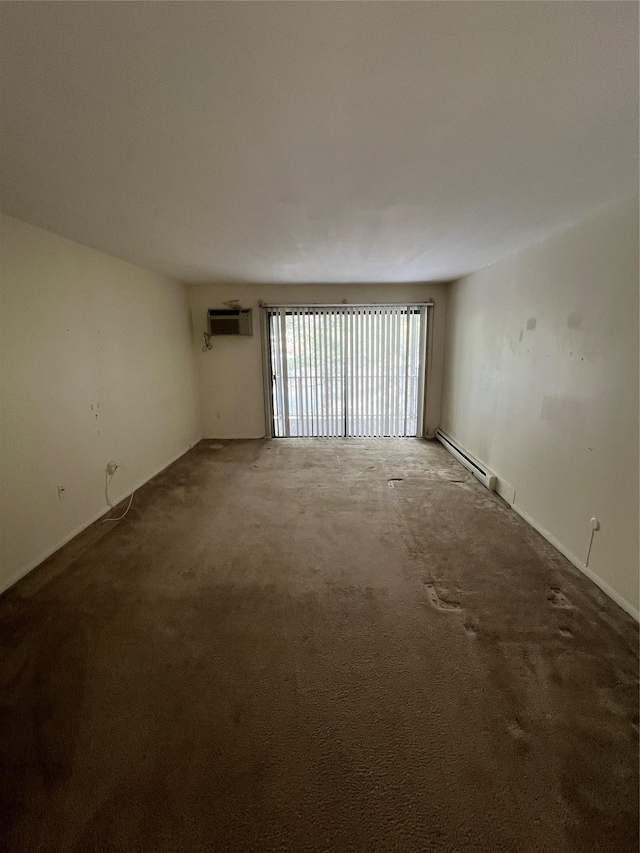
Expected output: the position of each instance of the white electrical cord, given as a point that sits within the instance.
(107, 479)
(595, 525)
(586, 562)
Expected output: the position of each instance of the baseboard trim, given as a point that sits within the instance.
(49, 552)
(597, 580)
(233, 437)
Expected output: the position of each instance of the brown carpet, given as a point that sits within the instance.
(316, 645)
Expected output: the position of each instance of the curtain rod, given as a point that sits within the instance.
(345, 304)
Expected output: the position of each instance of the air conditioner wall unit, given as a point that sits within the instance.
(230, 321)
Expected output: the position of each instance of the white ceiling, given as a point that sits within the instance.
(316, 142)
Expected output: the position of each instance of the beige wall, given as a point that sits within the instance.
(230, 375)
(80, 328)
(541, 384)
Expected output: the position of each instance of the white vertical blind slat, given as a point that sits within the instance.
(351, 400)
(398, 357)
(331, 342)
(316, 341)
(340, 354)
(380, 367)
(285, 374)
(395, 427)
(325, 374)
(392, 373)
(357, 369)
(369, 398)
(310, 374)
(390, 368)
(366, 389)
(376, 371)
(306, 409)
(337, 390)
(300, 373)
(296, 369)
(276, 370)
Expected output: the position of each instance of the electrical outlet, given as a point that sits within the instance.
(61, 492)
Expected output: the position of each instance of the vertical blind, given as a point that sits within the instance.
(346, 371)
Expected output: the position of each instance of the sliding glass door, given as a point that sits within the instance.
(346, 371)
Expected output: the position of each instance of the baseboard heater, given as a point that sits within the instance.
(486, 477)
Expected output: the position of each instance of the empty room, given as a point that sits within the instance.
(319, 427)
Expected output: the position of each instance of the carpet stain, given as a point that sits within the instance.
(558, 599)
(438, 600)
